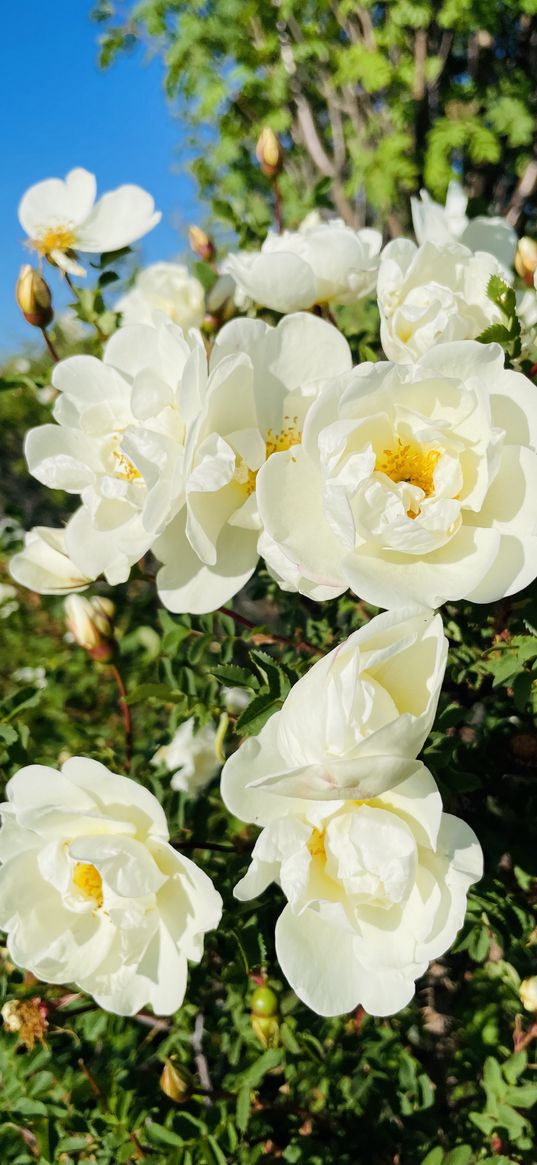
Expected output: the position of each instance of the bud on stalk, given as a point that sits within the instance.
(526, 259)
(34, 298)
(269, 152)
(201, 244)
(90, 624)
(528, 994)
(264, 1016)
(175, 1082)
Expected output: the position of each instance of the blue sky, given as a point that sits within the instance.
(59, 110)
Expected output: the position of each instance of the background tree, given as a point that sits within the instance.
(372, 99)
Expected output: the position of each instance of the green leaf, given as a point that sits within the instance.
(160, 1135)
(237, 677)
(435, 1157)
(253, 1075)
(256, 714)
(462, 1155)
(243, 1109)
(515, 1066)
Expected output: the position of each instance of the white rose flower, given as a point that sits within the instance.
(119, 443)
(44, 566)
(62, 218)
(261, 382)
(320, 263)
(430, 295)
(434, 223)
(413, 483)
(358, 718)
(374, 873)
(91, 891)
(167, 288)
(191, 757)
(375, 890)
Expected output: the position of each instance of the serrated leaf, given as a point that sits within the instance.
(238, 677)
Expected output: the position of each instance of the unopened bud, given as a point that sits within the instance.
(526, 259)
(90, 624)
(528, 994)
(269, 152)
(201, 244)
(175, 1082)
(220, 300)
(26, 1018)
(33, 297)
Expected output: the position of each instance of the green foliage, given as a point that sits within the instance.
(508, 334)
(376, 99)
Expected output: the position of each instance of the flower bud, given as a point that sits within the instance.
(267, 1030)
(34, 298)
(26, 1018)
(90, 624)
(526, 259)
(269, 152)
(528, 994)
(175, 1082)
(220, 300)
(201, 244)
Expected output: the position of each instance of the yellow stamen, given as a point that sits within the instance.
(56, 239)
(316, 844)
(88, 880)
(411, 463)
(287, 436)
(126, 471)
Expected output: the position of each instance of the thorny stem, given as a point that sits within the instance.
(125, 712)
(303, 645)
(52, 351)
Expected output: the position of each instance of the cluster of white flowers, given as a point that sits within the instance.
(412, 481)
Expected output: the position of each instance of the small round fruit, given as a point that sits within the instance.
(264, 1002)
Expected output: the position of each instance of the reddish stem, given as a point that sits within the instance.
(52, 351)
(278, 219)
(125, 712)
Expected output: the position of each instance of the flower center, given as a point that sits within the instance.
(287, 436)
(316, 843)
(411, 463)
(88, 880)
(55, 239)
(126, 470)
